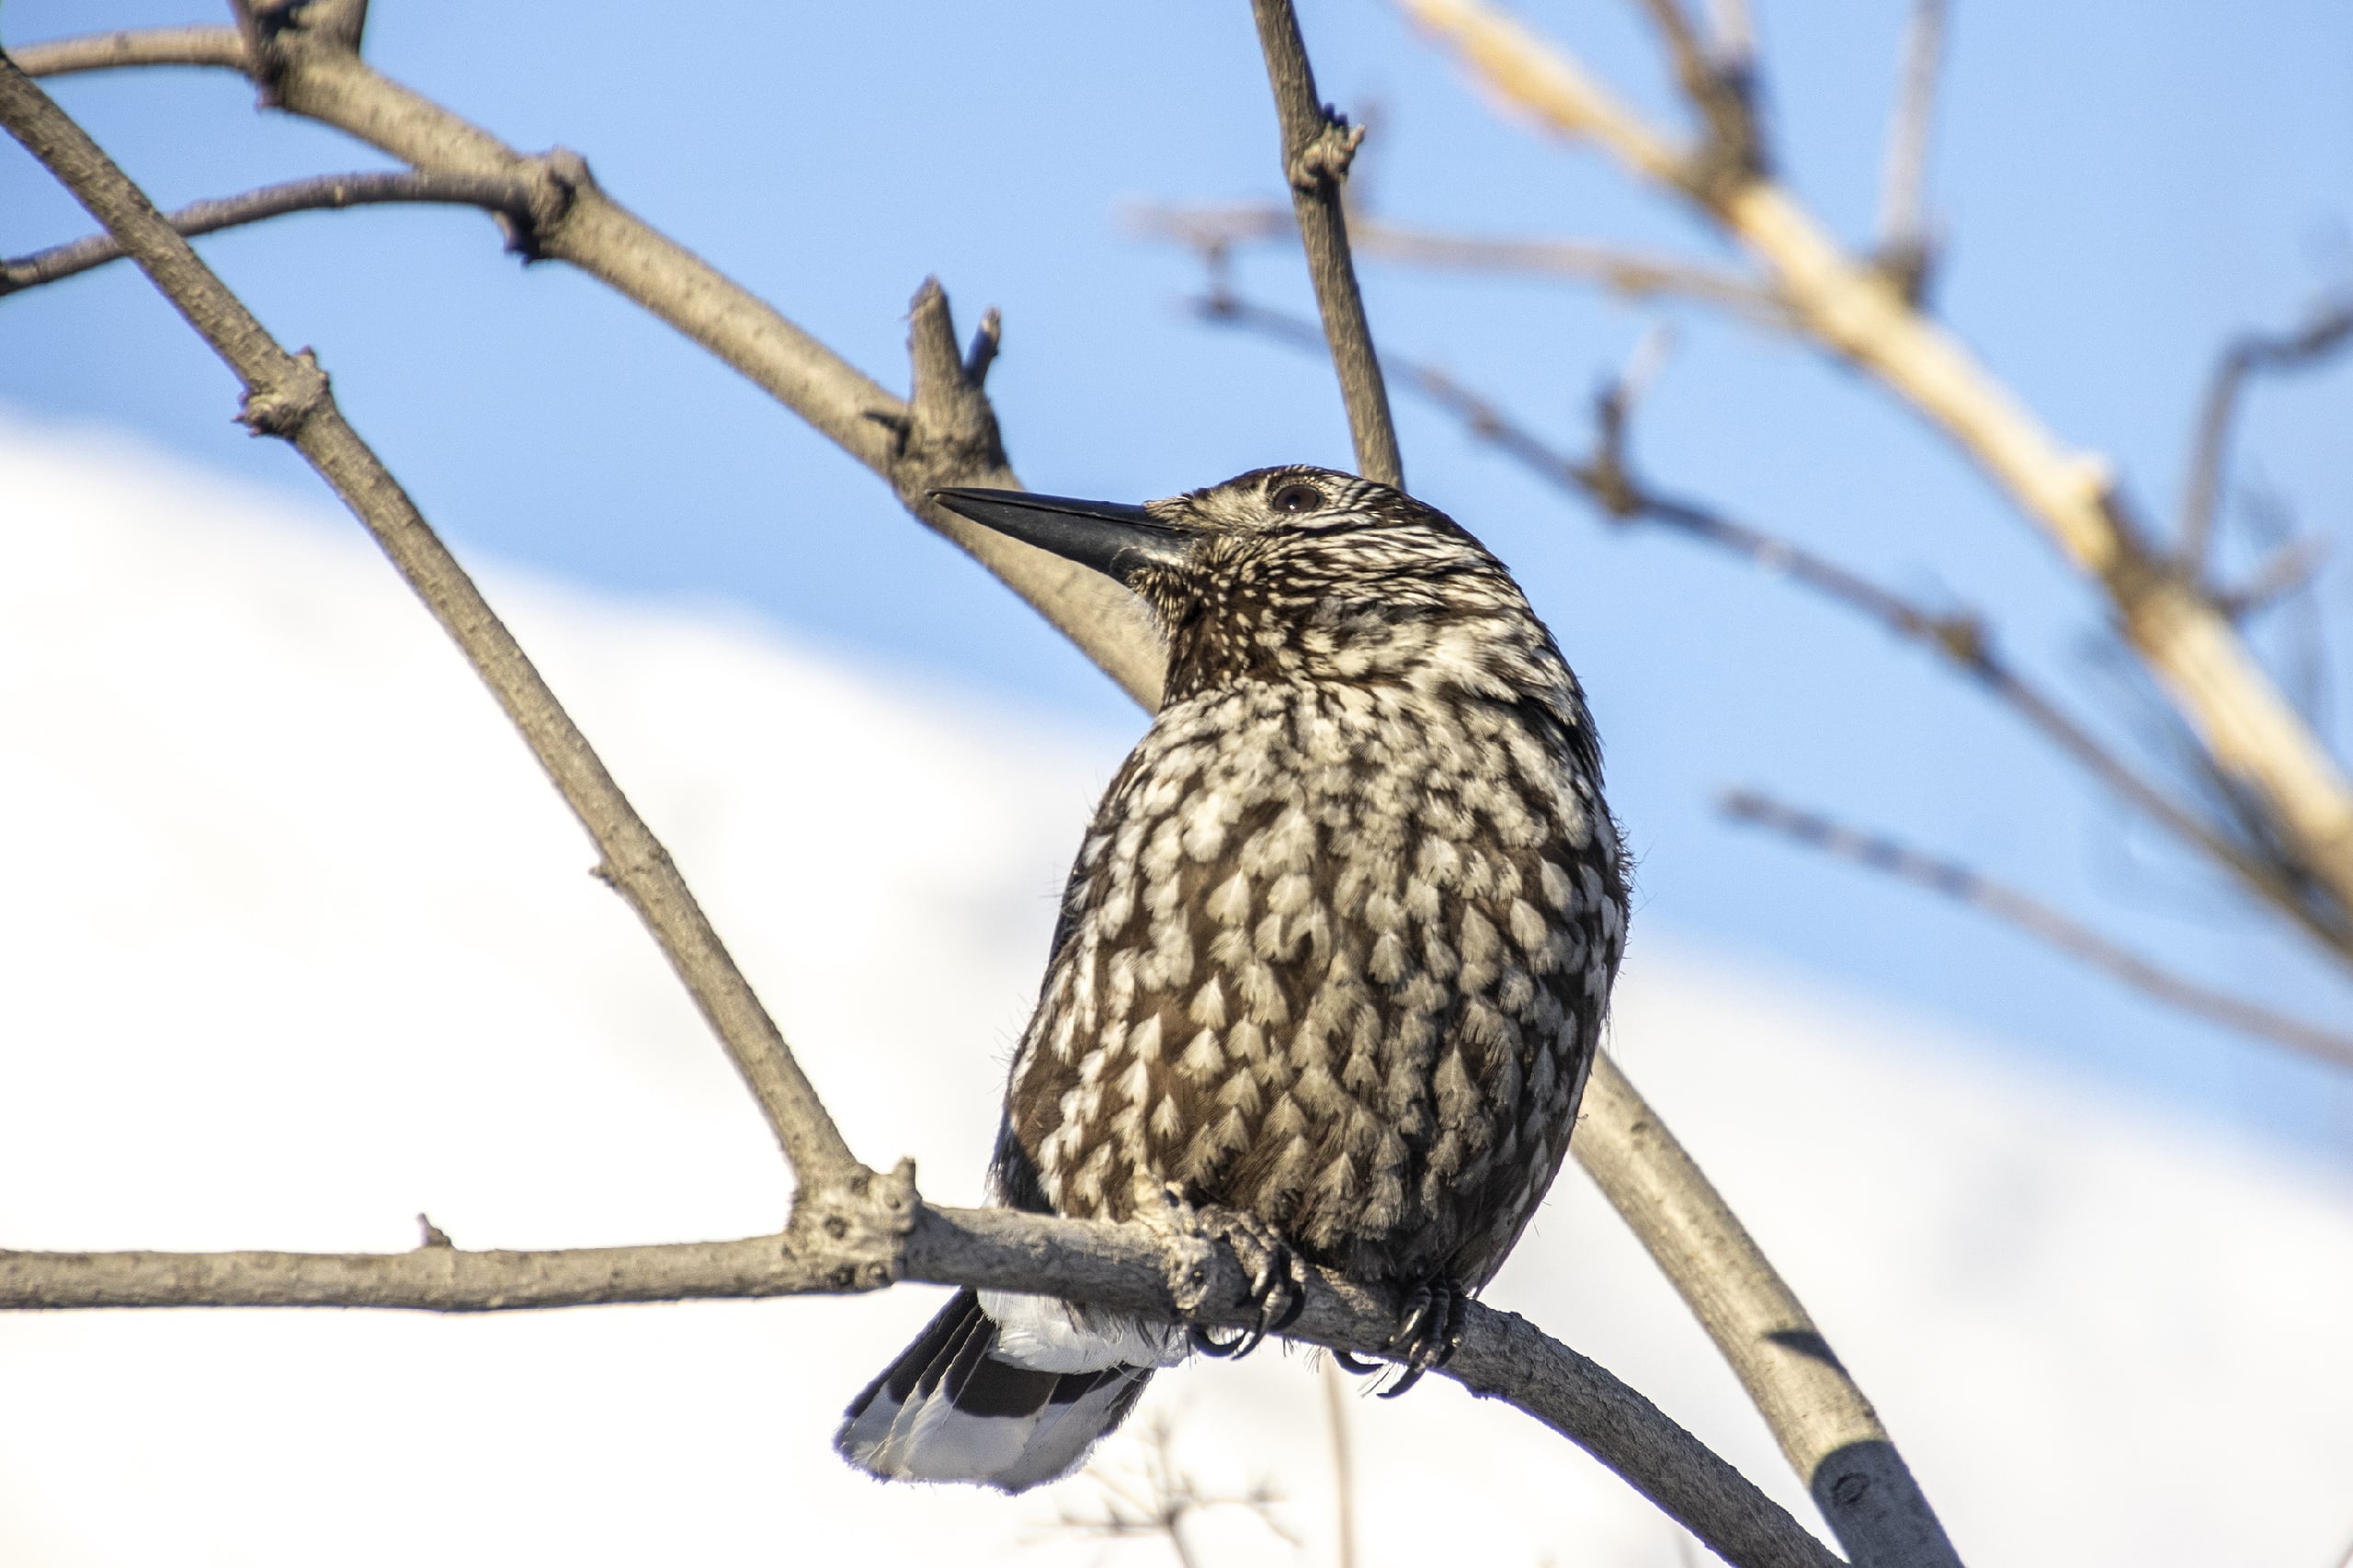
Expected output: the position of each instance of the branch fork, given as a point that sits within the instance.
(857, 1225)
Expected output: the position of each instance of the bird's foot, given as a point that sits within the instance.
(1277, 1279)
(1428, 1329)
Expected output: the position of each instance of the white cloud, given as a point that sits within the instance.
(296, 942)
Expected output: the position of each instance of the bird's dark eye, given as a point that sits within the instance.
(1296, 497)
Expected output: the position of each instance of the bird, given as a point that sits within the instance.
(1331, 967)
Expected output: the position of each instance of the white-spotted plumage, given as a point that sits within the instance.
(1335, 956)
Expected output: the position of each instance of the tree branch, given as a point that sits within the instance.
(1906, 253)
(2327, 330)
(1732, 149)
(1317, 145)
(495, 193)
(2251, 731)
(1827, 1429)
(2040, 920)
(288, 396)
(1215, 230)
(1167, 1271)
(222, 48)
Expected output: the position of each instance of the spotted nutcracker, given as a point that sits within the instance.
(1333, 960)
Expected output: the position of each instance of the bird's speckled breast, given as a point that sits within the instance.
(1336, 955)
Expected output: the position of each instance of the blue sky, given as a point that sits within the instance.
(2124, 187)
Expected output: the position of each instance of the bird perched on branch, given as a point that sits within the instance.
(1332, 964)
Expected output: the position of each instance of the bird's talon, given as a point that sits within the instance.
(1208, 1345)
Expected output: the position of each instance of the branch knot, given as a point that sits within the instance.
(856, 1228)
(1322, 161)
(551, 184)
(283, 406)
(947, 434)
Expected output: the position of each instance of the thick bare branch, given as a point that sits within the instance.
(1317, 147)
(2327, 330)
(1828, 1430)
(495, 193)
(1637, 275)
(1166, 1270)
(2039, 920)
(2253, 734)
(1906, 250)
(288, 396)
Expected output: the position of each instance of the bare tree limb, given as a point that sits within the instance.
(1735, 33)
(2285, 571)
(495, 193)
(217, 46)
(2328, 329)
(1344, 1462)
(1163, 1271)
(1732, 149)
(1906, 253)
(1827, 1428)
(1317, 145)
(1607, 479)
(288, 396)
(2253, 734)
(1633, 274)
(2040, 920)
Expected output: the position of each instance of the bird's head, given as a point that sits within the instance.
(1300, 574)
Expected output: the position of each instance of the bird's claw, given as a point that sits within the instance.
(1278, 1280)
(1428, 1329)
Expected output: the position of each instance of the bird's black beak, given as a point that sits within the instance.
(1115, 540)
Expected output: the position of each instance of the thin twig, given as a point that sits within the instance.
(1735, 33)
(1166, 1497)
(1160, 1271)
(2040, 920)
(2328, 329)
(1344, 1462)
(1906, 252)
(202, 46)
(1635, 274)
(2208, 672)
(1722, 89)
(495, 193)
(1317, 147)
(288, 396)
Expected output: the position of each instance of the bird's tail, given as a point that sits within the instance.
(1004, 1391)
